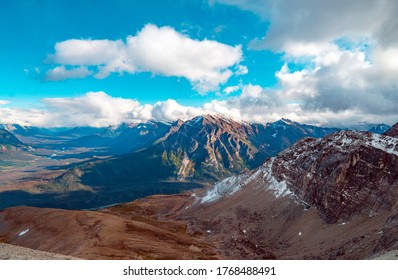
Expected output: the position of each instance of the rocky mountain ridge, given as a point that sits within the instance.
(329, 198)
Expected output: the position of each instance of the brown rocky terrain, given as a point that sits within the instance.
(393, 132)
(128, 231)
(331, 198)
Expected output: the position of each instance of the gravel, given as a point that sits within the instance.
(12, 252)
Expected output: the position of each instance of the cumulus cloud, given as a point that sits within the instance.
(97, 109)
(61, 73)
(159, 50)
(4, 102)
(254, 104)
(319, 21)
(347, 53)
(170, 110)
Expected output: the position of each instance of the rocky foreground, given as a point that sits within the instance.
(12, 252)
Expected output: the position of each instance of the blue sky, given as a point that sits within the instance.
(67, 63)
(30, 29)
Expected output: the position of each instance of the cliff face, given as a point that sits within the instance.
(344, 174)
(393, 131)
(332, 198)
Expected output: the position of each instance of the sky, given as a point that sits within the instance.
(99, 63)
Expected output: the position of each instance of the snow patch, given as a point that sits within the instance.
(279, 187)
(232, 185)
(23, 232)
(226, 187)
(384, 143)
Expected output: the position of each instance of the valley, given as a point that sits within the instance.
(207, 188)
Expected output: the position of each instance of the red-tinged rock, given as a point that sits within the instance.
(393, 131)
(342, 175)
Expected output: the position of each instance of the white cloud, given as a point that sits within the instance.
(241, 70)
(170, 110)
(87, 52)
(159, 50)
(4, 102)
(255, 104)
(61, 73)
(95, 109)
(346, 53)
(313, 21)
(231, 89)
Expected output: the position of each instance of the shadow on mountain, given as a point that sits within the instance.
(102, 196)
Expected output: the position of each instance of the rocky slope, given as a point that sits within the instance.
(8, 140)
(209, 148)
(393, 131)
(191, 155)
(334, 197)
(131, 231)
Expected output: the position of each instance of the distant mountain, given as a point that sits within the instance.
(191, 154)
(30, 131)
(275, 137)
(125, 138)
(209, 148)
(393, 131)
(380, 128)
(8, 140)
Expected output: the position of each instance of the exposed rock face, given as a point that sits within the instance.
(208, 148)
(343, 174)
(393, 132)
(211, 147)
(274, 137)
(337, 194)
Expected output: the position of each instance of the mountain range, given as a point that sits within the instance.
(321, 198)
(151, 158)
